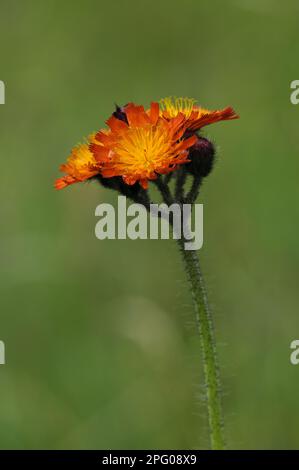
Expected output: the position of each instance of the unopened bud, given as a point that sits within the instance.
(202, 155)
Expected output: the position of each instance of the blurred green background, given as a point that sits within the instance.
(101, 346)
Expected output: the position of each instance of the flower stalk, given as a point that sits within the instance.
(208, 347)
(202, 311)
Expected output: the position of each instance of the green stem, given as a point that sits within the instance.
(179, 187)
(208, 347)
(164, 190)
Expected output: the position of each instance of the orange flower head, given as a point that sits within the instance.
(195, 117)
(80, 166)
(143, 146)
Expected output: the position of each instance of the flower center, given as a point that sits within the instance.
(142, 148)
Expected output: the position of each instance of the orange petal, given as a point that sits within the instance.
(143, 183)
(103, 138)
(129, 179)
(100, 153)
(187, 143)
(178, 125)
(63, 182)
(213, 116)
(154, 112)
(116, 125)
(108, 172)
(136, 115)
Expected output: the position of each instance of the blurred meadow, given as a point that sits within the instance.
(101, 346)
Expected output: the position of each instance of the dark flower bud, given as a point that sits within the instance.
(111, 183)
(202, 155)
(134, 192)
(120, 114)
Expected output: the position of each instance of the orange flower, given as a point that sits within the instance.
(139, 145)
(81, 165)
(195, 117)
(143, 147)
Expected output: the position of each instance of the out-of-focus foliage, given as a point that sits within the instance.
(100, 340)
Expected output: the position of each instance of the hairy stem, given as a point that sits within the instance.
(208, 347)
(194, 190)
(180, 181)
(164, 190)
(202, 313)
